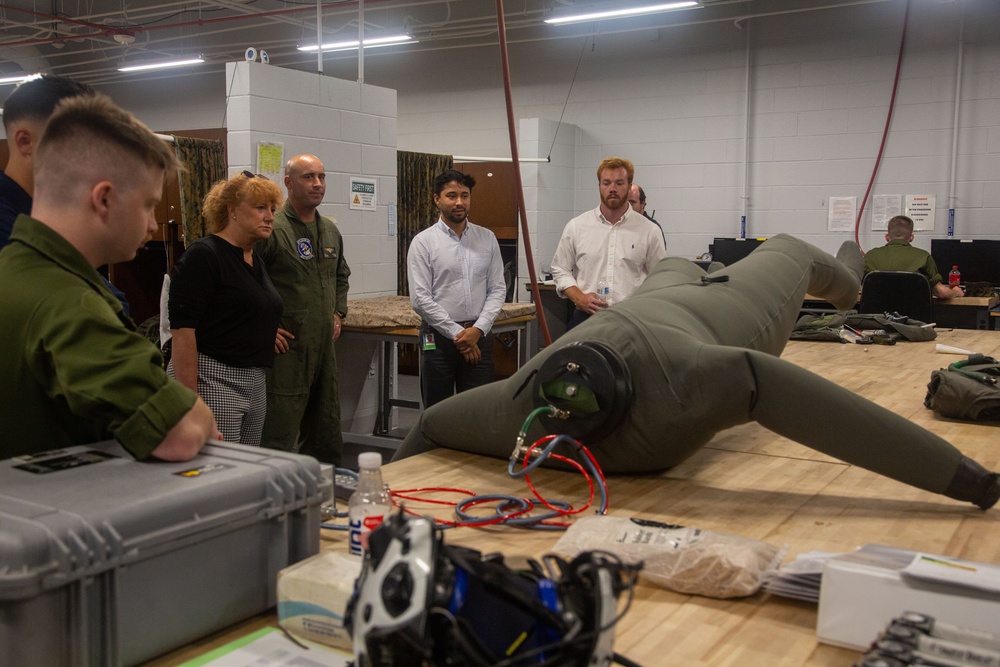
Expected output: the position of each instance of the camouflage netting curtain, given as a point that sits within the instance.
(415, 174)
(204, 163)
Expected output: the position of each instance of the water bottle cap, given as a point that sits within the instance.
(369, 460)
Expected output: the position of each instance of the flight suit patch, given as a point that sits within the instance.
(305, 248)
(329, 252)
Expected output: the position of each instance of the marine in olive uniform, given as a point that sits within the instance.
(304, 257)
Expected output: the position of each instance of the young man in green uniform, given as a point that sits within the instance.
(305, 260)
(898, 255)
(74, 370)
(694, 354)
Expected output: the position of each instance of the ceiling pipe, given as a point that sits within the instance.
(110, 31)
(99, 75)
(361, 41)
(319, 36)
(106, 31)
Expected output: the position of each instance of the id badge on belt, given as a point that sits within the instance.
(429, 343)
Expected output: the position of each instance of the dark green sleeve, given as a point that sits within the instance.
(104, 373)
(933, 275)
(343, 285)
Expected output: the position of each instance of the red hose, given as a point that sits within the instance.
(525, 237)
(885, 132)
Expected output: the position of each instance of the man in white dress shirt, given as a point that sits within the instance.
(605, 254)
(455, 273)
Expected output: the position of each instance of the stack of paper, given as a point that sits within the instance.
(800, 579)
(942, 569)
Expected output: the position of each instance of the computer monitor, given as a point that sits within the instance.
(978, 260)
(731, 250)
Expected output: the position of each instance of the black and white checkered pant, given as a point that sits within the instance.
(237, 397)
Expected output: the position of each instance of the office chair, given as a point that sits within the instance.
(903, 292)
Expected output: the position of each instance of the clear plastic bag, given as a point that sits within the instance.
(686, 560)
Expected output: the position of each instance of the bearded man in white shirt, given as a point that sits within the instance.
(605, 254)
(455, 273)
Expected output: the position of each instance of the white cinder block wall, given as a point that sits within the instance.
(548, 190)
(672, 100)
(351, 127)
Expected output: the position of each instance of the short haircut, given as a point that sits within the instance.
(89, 139)
(900, 227)
(449, 175)
(642, 194)
(36, 99)
(613, 163)
(230, 193)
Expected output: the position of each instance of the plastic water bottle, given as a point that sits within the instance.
(604, 291)
(954, 277)
(369, 504)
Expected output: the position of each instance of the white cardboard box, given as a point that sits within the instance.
(313, 596)
(862, 591)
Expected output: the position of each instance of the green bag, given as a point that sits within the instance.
(831, 327)
(967, 389)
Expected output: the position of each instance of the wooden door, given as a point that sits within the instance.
(494, 205)
(494, 199)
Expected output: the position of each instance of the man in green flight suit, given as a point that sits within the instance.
(692, 354)
(305, 261)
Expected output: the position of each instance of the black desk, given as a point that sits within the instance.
(964, 312)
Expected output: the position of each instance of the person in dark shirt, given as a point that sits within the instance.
(637, 199)
(25, 113)
(224, 310)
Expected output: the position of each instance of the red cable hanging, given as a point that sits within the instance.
(888, 120)
(525, 237)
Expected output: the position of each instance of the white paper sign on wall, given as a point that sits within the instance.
(884, 208)
(363, 194)
(921, 209)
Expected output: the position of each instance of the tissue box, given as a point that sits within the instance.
(863, 591)
(313, 595)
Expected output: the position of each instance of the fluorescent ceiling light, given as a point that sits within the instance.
(161, 65)
(18, 79)
(369, 43)
(622, 13)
